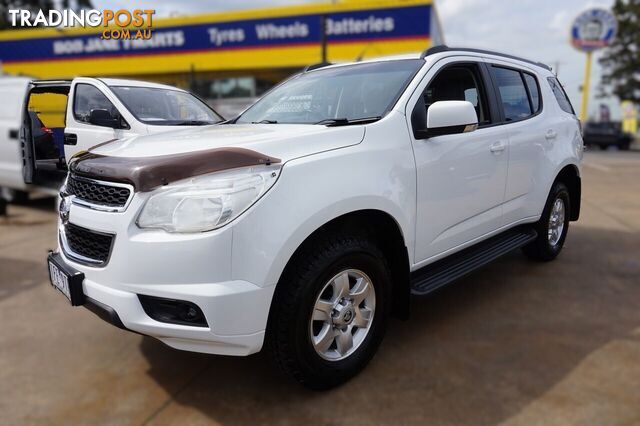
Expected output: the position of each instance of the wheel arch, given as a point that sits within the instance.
(388, 236)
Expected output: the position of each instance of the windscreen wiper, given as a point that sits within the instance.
(346, 121)
(265, 122)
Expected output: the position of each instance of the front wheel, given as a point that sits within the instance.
(330, 311)
(552, 227)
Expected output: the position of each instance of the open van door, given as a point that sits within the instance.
(42, 133)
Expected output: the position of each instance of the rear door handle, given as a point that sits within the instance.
(497, 147)
(551, 135)
(70, 139)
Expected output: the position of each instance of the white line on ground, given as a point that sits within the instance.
(596, 166)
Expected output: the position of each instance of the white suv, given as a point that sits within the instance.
(307, 221)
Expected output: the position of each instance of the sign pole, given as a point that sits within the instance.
(585, 89)
(591, 30)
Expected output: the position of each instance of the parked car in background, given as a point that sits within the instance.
(606, 134)
(62, 118)
(307, 221)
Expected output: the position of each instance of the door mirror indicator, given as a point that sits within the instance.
(102, 117)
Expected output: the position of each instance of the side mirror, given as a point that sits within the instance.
(449, 118)
(102, 117)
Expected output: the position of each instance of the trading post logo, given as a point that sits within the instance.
(136, 24)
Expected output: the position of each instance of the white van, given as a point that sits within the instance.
(62, 118)
(12, 91)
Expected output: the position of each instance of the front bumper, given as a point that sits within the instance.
(193, 268)
(232, 305)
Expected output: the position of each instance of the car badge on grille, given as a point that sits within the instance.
(65, 207)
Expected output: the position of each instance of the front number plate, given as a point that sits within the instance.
(66, 280)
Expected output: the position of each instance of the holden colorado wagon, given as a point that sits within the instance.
(303, 224)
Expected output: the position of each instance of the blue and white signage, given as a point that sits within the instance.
(399, 23)
(593, 29)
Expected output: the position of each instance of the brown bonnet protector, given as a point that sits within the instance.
(149, 173)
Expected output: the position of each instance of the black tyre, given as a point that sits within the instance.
(603, 147)
(624, 146)
(330, 310)
(14, 195)
(552, 227)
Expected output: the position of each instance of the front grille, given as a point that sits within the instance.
(98, 193)
(85, 245)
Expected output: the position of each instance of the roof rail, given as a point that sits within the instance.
(443, 48)
(317, 66)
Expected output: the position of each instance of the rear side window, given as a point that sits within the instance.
(513, 94)
(534, 93)
(561, 95)
(88, 98)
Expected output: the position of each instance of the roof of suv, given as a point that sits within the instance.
(435, 50)
(442, 48)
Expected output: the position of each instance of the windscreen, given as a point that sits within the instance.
(165, 107)
(351, 92)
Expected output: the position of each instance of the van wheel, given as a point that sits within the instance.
(552, 227)
(330, 310)
(13, 195)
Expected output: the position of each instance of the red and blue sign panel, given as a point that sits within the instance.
(399, 23)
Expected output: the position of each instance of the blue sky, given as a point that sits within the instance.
(537, 29)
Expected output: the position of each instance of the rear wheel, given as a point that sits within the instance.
(330, 311)
(553, 225)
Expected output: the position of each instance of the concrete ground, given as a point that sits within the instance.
(515, 343)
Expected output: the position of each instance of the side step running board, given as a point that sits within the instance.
(454, 267)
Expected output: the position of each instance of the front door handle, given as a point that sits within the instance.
(551, 135)
(14, 133)
(497, 147)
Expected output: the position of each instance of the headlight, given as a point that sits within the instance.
(207, 202)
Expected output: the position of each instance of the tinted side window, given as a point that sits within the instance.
(532, 85)
(88, 98)
(513, 94)
(560, 95)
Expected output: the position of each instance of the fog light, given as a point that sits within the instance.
(173, 311)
